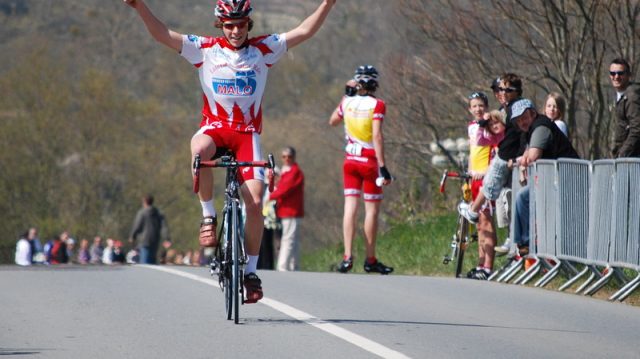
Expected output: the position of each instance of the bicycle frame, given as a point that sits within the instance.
(461, 238)
(230, 258)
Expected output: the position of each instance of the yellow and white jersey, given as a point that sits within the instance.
(358, 113)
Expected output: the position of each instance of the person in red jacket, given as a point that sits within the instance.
(289, 197)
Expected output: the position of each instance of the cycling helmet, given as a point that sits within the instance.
(367, 77)
(233, 9)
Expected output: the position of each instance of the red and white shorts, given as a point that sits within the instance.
(245, 145)
(360, 175)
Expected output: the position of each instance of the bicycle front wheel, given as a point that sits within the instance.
(226, 267)
(235, 267)
(462, 234)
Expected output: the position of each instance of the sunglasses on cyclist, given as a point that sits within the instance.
(619, 73)
(232, 25)
(507, 89)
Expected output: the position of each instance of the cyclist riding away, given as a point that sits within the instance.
(363, 165)
(233, 71)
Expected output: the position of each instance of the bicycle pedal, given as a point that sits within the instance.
(446, 260)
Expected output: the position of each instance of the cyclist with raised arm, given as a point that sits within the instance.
(233, 72)
(363, 164)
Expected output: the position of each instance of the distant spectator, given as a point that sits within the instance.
(96, 250)
(58, 254)
(289, 197)
(107, 253)
(554, 107)
(118, 252)
(166, 244)
(37, 252)
(132, 256)
(272, 227)
(186, 258)
(148, 225)
(23, 251)
(84, 256)
(627, 128)
(195, 258)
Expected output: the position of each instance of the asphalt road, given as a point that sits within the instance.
(178, 312)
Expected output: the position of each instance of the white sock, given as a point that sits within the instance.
(207, 209)
(252, 266)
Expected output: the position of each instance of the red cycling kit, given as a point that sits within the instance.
(360, 168)
(233, 82)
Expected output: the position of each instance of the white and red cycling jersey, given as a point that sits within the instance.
(233, 80)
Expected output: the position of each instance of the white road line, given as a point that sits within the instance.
(348, 336)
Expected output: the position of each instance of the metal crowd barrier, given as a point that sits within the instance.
(582, 212)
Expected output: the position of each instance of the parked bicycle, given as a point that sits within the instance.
(462, 236)
(230, 259)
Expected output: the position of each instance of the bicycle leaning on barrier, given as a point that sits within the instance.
(464, 233)
(230, 259)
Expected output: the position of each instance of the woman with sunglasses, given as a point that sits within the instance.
(233, 72)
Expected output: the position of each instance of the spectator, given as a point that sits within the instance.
(481, 149)
(195, 258)
(96, 250)
(544, 140)
(23, 250)
(289, 197)
(272, 227)
(37, 252)
(627, 129)
(58, 251)
(118, 252)
(148, 224)
(132, 256)
(84, 255)
(554, 107)
(509, 149)
(166, 244)
(107, 253)
(364, 163)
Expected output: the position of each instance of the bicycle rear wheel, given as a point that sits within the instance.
(462, 234)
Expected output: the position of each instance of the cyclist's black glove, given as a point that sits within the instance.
(384, 172)
(350, 91)
(483, 123)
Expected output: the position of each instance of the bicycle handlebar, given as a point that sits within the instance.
(230, 162)
(453, 174)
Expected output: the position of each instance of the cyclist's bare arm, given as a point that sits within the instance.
(378, 145)
(335, 117)
(310, 25)
(156, 28)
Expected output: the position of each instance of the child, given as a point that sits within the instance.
(481, 144)
(554, 107)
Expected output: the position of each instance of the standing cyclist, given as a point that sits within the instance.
(233, 72)
(363, 164)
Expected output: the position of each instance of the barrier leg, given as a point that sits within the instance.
(551, 273)
(600, 282)
(529, 273)
(625, 291)
(574, 279)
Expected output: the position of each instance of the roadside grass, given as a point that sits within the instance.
(418, 248)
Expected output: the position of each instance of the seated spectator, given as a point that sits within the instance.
(118, 252)
(37, 252)
(23, 251)
(96, 250)
(107, 253)
(133, 256)
(84, 257)
(58, 253)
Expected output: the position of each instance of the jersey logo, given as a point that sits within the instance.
(243, 85)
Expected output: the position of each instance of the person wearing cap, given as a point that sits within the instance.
(544, 141)
(233, 70)
(509, 149)
(626, 141)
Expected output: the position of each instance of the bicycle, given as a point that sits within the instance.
(461, 237)
(230, 259)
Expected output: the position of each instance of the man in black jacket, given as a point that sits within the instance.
(149, 225)
(627, 129)
(544, 140)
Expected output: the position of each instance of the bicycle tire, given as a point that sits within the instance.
(225, 265)
(461, 243)
(235, 266)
